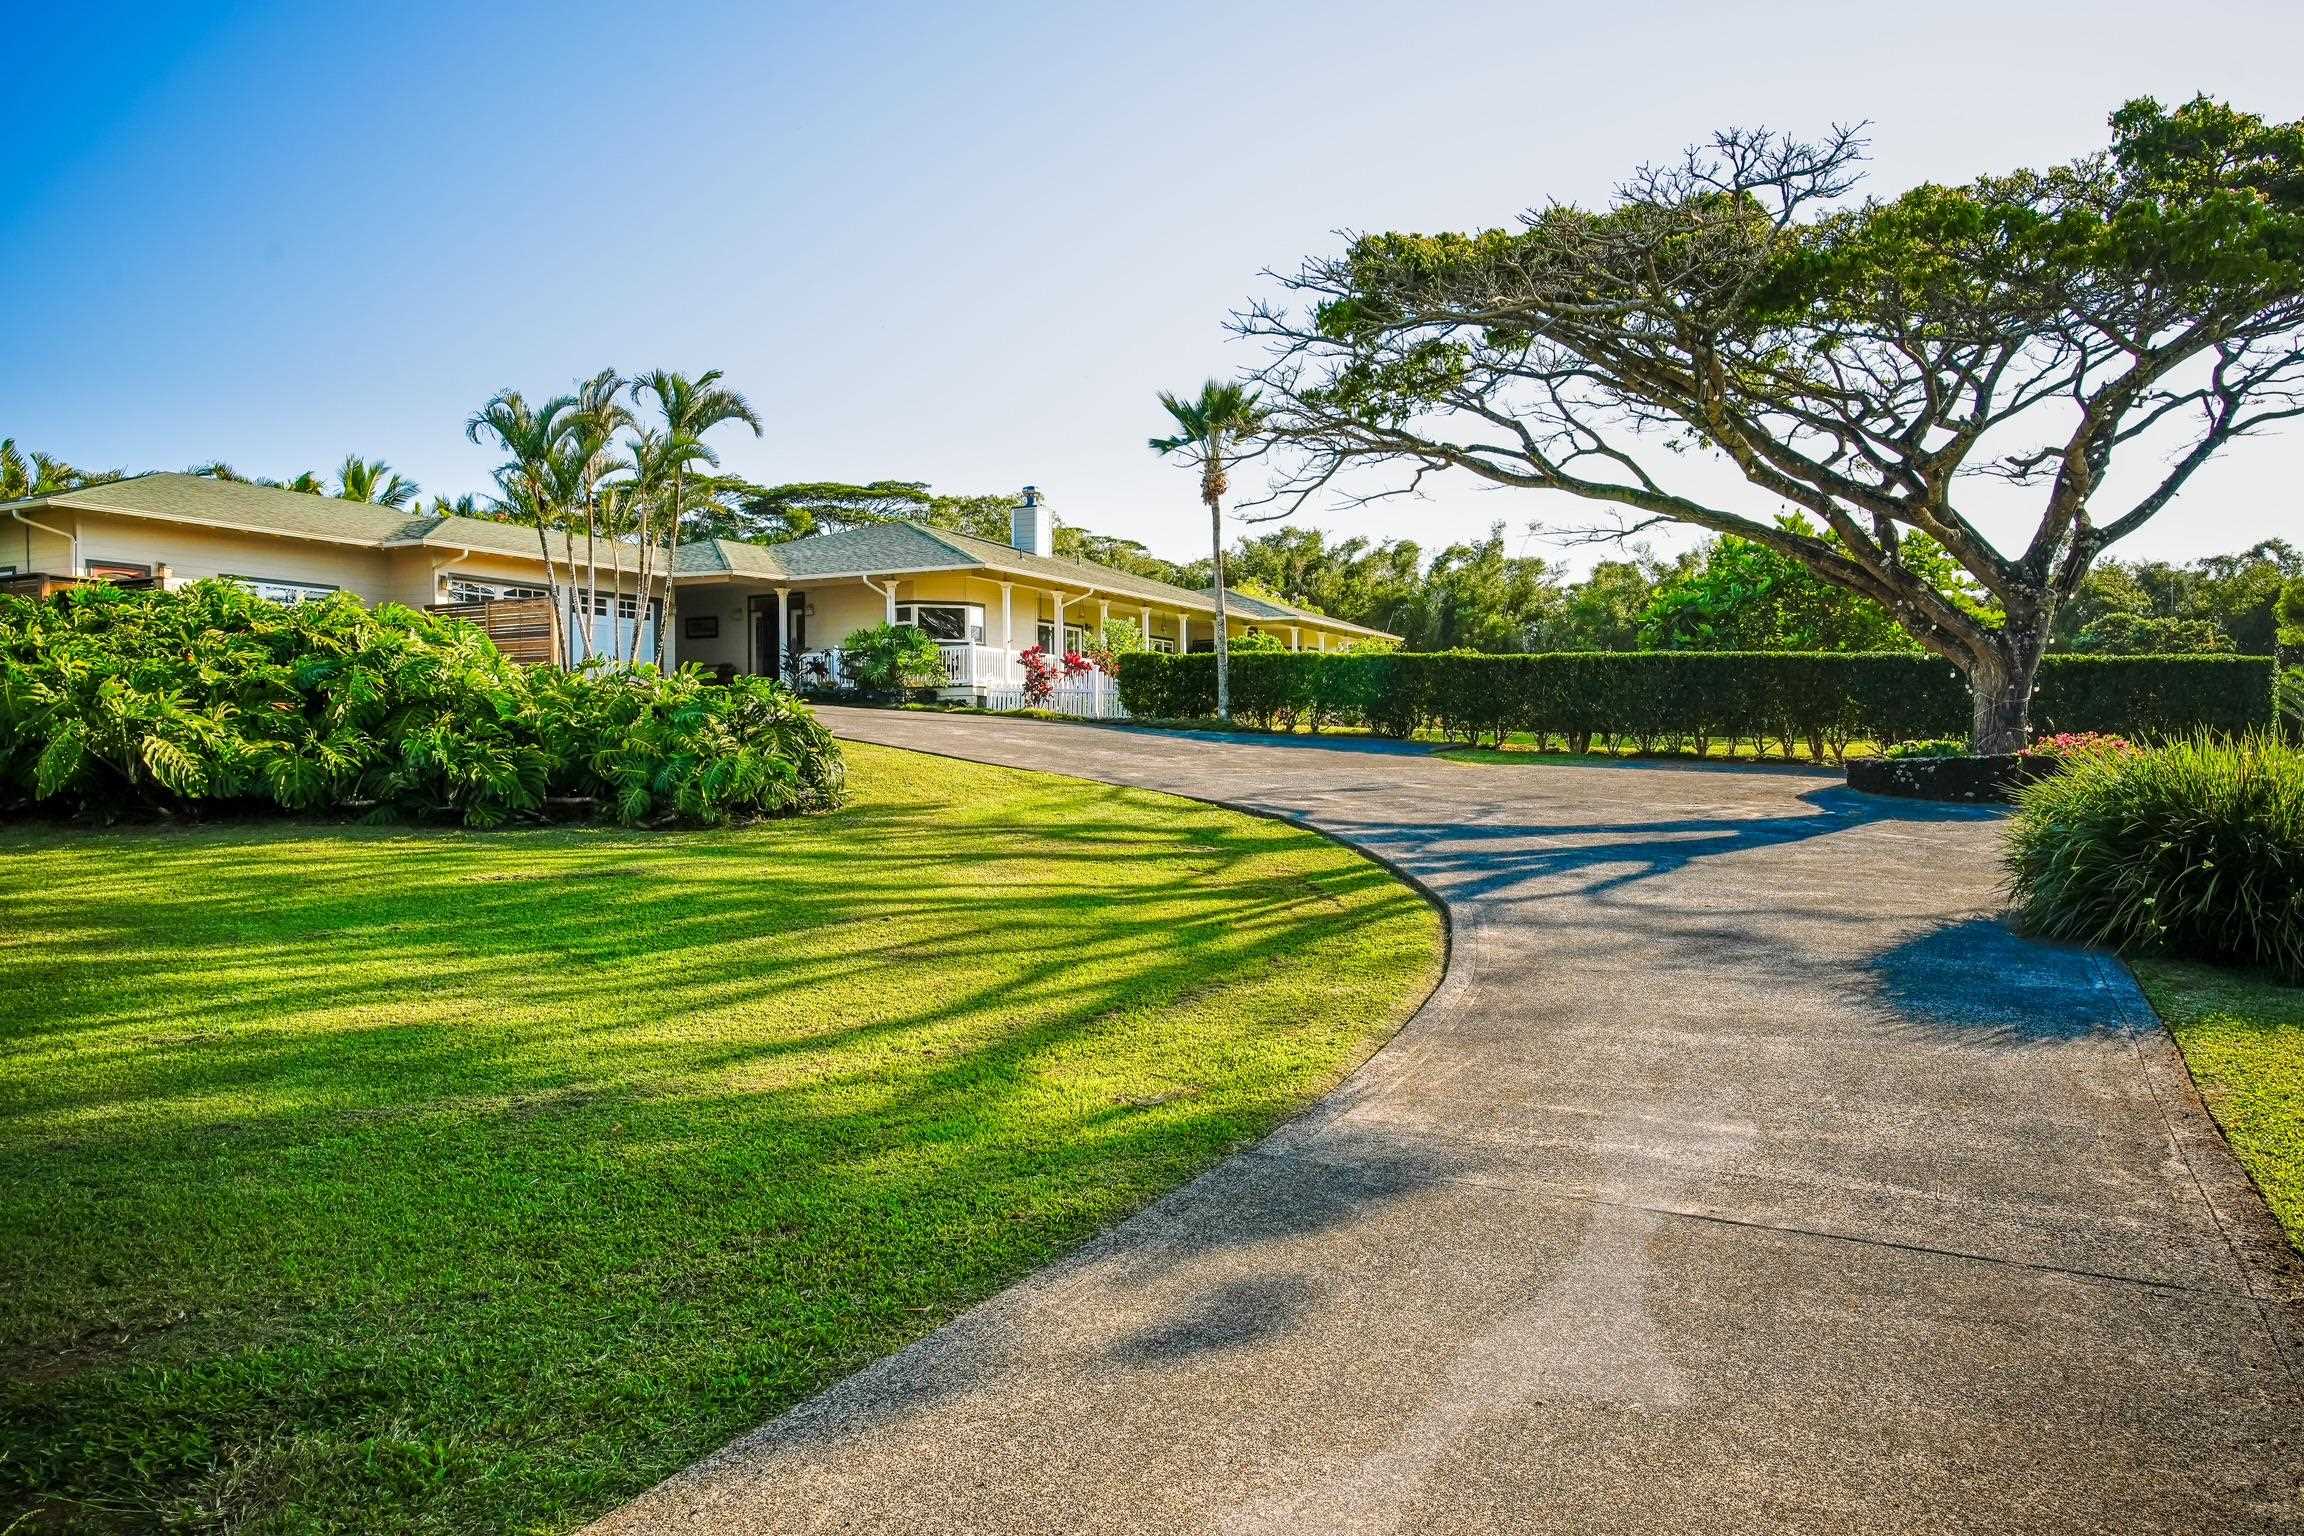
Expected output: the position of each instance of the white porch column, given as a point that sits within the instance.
(1183, 632)
(1008, 633)
(1103, 612)
(890, 594)
(1323, 642)
(783, 631)
(1147, 626)
(1295, 638)
(1056, 635)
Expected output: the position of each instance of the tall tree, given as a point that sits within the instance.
(586, 458)
(372, 481)
(529, 481)
(1855, 362)
(1213, 432)
(690, 408)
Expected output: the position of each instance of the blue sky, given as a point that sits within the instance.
(958, 245)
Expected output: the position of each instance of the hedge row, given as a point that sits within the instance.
(114, 701)
(1691, 699)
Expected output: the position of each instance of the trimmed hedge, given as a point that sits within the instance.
(114, 701)
(1691, 699)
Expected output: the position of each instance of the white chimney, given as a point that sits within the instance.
(1031, 526)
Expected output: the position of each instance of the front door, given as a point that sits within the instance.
(768, 648)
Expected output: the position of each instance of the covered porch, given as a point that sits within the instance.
(982, 623)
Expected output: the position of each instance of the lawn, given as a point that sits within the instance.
(2242, 1034)
(383, 1179)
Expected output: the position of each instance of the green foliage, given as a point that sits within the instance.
(2157, 697)
(2194, 848)
(889, 658)
(1938, 746)
(2289, 615)
(2136, 634)
(1739, 595)
(2220, 603)
(1814, 701)
(114, 701)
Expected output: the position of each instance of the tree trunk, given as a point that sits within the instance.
(671, 548)
(1223, 646)
(2002, 681)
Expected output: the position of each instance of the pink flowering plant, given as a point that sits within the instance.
(1042, 673)
(2065, 745)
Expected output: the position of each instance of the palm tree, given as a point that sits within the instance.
(1212, 432)
(372, 481)
(659, 465)
(532, 436)
(586, 460)
(42, 474)
(466, 505)
(307, 483)
(691, 408)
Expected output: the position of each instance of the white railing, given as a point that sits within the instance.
(1094, 697)
(972, 666)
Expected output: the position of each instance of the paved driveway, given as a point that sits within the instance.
(1743, 1175)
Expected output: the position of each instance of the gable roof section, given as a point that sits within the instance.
(248, 508)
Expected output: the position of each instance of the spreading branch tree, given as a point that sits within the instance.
(1863, 362)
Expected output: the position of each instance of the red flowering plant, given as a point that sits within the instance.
(1041, 675)
(2065, 745)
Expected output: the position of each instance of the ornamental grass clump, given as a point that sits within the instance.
(118, 703)
(2195, 848)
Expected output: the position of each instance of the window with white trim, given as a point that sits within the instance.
(1075, 637)
(944, 621)
(627, 604)
(1162, 644)
(288, 592)
(474, 589)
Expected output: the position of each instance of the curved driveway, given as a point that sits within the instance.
(1743, 1175)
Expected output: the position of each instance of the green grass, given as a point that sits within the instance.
(436, 1181)
(2242, 1034)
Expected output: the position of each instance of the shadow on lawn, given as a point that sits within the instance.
(576, 1084)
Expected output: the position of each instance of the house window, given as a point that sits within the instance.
(1075, 637)
(944, 621)
(471, 589)
(627, 604)
(117, 570)
(289, 592)
(1163, 644)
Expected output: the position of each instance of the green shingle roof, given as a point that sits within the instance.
(293, 514)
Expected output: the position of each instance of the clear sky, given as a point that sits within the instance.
(956, 244)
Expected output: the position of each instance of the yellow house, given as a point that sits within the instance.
(763, 608)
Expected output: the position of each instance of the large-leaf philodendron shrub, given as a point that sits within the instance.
(115, 701)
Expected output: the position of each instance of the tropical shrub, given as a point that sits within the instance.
(1941, 746)
(1041, 674)
(2191, 848)
(888, 658)
(1819, 702)
(114, 701)
(2066, 745)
